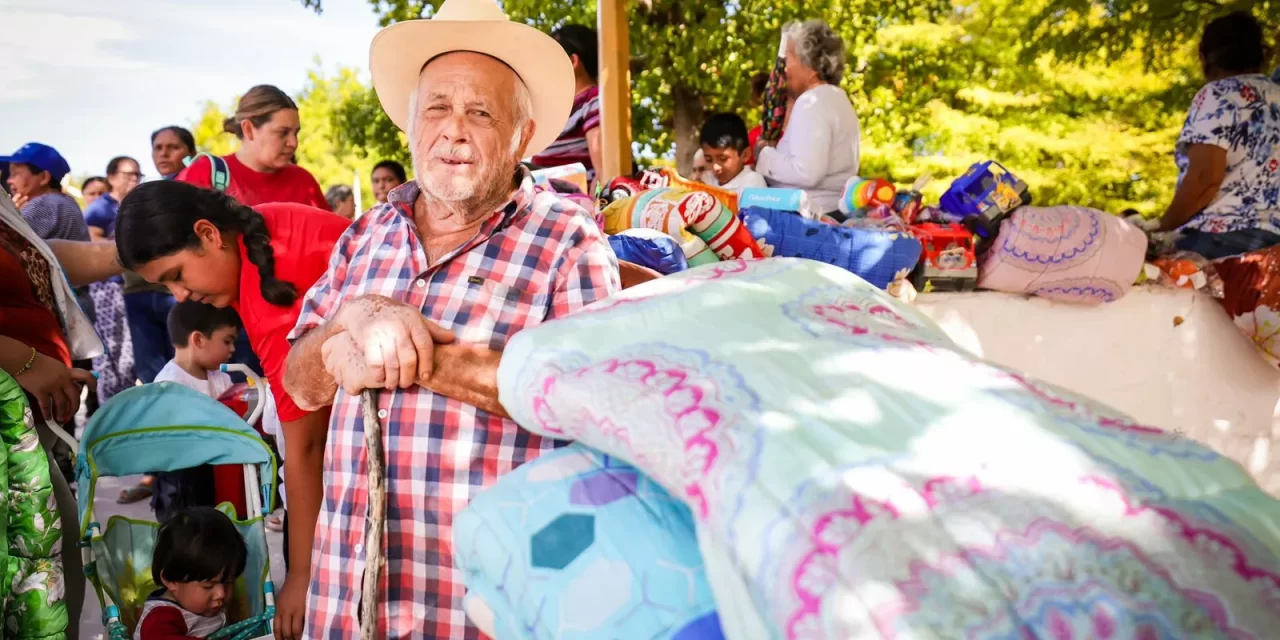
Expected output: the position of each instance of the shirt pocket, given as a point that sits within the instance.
(492, 312)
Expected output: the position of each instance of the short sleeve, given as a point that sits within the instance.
(1214, 114)
(591, 114)
(588, 269)
(199, 173)
(41, 217)
(324, 296)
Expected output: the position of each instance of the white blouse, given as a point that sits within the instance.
(818, 151)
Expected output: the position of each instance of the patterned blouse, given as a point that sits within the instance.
(1242, 115)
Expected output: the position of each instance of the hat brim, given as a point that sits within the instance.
(399, 52)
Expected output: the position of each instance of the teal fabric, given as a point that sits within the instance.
(164, 427)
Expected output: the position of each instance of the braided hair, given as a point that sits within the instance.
(158, 219)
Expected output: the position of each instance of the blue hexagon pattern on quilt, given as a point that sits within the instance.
(577, 545)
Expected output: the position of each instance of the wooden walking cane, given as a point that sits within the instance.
(377, 516)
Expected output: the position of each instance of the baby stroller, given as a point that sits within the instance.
(166, 427)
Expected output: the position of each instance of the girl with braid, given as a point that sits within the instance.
(207, 247)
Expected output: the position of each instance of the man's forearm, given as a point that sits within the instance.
(305, 378)
(468, 373)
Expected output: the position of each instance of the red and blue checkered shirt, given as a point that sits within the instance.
(539, 257)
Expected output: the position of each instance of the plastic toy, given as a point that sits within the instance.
(948, 261)
(909, 203)
(780, 199)
(861, 194)
(983, 196)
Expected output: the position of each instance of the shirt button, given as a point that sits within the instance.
(421, 283)
(359, 548)
(382, 413)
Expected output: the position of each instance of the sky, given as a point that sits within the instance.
(94, 78)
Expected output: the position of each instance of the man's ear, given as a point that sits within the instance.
(526, 134)
(197, 339)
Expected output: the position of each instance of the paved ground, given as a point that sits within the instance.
(104, 507)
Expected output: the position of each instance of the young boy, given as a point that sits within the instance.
(724, 143)
(203, 338)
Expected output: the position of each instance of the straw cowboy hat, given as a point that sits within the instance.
(399, 52)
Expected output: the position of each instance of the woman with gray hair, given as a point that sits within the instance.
(818, 151)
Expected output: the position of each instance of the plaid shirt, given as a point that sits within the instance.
(537, 258)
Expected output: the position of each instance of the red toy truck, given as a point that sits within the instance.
(949, 260)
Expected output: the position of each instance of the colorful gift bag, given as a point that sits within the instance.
(578, 545)
(853, 474)
(633, 213)
(666, 177)
(1074, 254)
(875, 255)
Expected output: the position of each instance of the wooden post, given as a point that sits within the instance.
(615, 90)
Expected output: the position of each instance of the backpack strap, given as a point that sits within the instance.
(219, 175)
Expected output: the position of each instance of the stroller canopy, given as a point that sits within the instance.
(163, 427)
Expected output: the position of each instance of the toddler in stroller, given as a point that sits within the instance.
(198, 557)
(165, 427)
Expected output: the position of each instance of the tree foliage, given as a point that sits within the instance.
(1159, 30)
(1081, 98)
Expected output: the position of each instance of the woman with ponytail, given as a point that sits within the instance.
(208, 247)
(262, 169)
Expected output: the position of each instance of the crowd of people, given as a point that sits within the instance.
(245, 257)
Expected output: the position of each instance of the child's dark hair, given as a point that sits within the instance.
(158, 219)
(394, 167)
(725, 131)
(198, 544)
(1233, 43)
(189, 317)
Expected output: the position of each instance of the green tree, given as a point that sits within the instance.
(322, 149)
(937, 86)
(207, 129)
(1158, 29)
(689, 56)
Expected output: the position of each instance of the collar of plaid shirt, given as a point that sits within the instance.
(538, 257)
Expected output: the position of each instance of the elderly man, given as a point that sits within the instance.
(468, 251)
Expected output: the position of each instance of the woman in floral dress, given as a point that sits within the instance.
(1228, 155)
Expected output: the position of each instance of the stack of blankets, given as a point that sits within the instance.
(821, 461)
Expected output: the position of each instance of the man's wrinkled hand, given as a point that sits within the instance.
(345, 362)
(397, 341)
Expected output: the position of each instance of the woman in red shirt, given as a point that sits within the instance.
(210, 248)
(262, 171)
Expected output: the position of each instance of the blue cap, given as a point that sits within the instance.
(42, 157)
